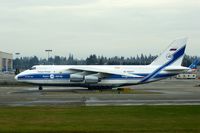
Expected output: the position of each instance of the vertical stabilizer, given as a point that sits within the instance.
(174, 53)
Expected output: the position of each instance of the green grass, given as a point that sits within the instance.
(128, 119)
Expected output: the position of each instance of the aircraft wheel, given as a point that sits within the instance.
(40, 88)
(90, 88)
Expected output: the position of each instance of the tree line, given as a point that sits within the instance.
(28, 62)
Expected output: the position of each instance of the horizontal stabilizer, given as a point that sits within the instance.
(176, 69)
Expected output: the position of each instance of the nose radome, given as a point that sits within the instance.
(16, 77)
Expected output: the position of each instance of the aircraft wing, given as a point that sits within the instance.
(103, 71)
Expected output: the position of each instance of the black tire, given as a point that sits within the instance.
(40, 88)
(100, 88)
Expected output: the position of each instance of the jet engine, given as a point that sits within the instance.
(76, 78)
(91, 79)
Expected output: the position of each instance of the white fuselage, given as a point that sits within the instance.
(59, 75)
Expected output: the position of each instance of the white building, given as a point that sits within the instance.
(195, 73)
(186, 76)
(6, 61)
(198, 71)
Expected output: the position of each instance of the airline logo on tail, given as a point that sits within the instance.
(169, 56)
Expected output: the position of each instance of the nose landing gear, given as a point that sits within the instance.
(40, 88)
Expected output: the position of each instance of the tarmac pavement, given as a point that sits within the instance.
(166, 92)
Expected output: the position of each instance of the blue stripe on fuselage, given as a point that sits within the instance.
(116, 77)
(67, 76)
(44, 76)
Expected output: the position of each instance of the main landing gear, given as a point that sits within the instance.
(100, 88)
(40, 88)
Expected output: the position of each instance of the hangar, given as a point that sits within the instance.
(6, 61)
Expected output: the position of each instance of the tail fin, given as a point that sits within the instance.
(173, 54)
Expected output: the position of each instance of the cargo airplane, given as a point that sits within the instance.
(164, 66)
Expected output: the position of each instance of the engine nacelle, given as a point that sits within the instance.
(91, 79)
(76, 78)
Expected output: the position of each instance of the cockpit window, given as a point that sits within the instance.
(32, 68)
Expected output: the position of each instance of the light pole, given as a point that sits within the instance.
(17, 63)
(17, 55)
(48, 53)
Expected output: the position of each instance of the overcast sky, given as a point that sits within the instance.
(102, 27)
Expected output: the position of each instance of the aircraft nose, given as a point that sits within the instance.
(16, 77)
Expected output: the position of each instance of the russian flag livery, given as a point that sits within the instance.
(103, 76)
(173, 49)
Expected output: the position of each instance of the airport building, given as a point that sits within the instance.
(6, 61)
(198, 71)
